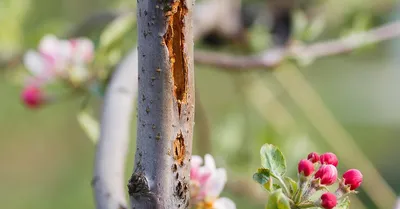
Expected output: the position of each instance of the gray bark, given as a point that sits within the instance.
(108, 180)
(165, 105)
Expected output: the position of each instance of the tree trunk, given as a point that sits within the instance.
(165, 105)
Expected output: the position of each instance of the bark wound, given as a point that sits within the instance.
(175, 41)
(179, 149)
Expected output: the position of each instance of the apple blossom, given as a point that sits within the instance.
(207, 183)
(305, 167)
(328, 200)
(327, 174)
(57, 57)
(329, 158)
(32, 96)
(353, 178)
(313, 157)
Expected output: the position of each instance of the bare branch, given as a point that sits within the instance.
(108, 180)
(165, 106)
(274, 57)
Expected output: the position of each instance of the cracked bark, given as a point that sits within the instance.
(165, 105)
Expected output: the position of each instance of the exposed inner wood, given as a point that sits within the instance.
(175, 41)
(179, 149)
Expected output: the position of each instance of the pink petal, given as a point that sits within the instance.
(83, 50)
(217, 182)
(204, 177)
(196, 161)
(209, 162)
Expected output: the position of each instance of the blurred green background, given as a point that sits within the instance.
(46, 160)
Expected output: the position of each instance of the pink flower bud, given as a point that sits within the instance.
(327, 174)
(353, 177)
(328, 200)
(313, 157)
(329, 158)
(306, 167)
(32, 96)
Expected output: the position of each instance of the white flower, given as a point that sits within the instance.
(57, 57)
(207, 183)
(224, 203)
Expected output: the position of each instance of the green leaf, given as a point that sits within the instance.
(89, 125)
(344, 204)
(116, 30)
(291, 184)
(277, 200)
(262, 176)
(273, 160)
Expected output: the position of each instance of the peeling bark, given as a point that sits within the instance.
(165, 105)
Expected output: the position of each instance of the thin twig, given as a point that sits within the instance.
(273, 57)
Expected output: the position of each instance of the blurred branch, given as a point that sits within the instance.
(273, 57)
(108, 180)
(397, 206)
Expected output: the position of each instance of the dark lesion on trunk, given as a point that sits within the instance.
(138, 185)
(174, 39)
(139, 190)
(179, 149)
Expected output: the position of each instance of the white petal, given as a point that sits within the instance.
(209, 162)
(65, 50)
(35, 63)
(196, 161)
(48, 45)
(85, 48)
(82, 50)
(216, 183)
(224, 203)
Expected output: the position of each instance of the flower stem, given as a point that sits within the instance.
(285, 189)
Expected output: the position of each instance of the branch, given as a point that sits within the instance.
(108, 180)
(274, 57)
(160, 179)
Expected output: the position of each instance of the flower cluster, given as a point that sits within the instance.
(326, 174)
(207, 183)
(55, 59)
(315, 173)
